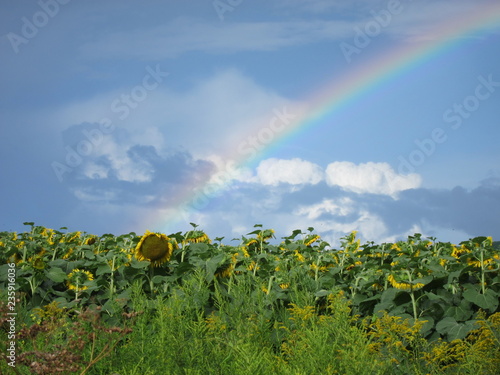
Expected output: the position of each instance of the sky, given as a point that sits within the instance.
(341, 115)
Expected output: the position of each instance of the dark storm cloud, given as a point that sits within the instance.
(169, 175)
(476, 211)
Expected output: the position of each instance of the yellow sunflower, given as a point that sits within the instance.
(197, 236)
(155, 247)
(90, 240)
(37, 262)
(265, 235)
(77, 278)
(403, 285)
(310, 239)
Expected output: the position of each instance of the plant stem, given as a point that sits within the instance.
(412, 296)
(269, 284)
(112, 282)
(316, 271)
(483, 286)
(151, 274)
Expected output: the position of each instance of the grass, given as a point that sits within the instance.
(203, 328)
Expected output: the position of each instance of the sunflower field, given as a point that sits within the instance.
(76, 303)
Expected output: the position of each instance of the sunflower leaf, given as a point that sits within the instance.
(56, 274)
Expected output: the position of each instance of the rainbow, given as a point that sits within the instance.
(336, 95)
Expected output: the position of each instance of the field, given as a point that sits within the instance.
(76, 303)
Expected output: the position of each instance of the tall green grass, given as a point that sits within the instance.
(209, 328)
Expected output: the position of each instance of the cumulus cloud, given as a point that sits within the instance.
(220, 113)
(373, 178)
(339, 207)
(294, 172)
(336, 217)
(124, 173)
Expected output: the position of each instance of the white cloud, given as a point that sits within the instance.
(95, 171)
(294, 172)
(322, 6)
(217, 115)
(123, 166)
(338, 207)
(87, 195)
(373, 178)
(413, 21)
(184, 35)
(337, 217)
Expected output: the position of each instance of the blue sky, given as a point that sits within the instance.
(111, 111)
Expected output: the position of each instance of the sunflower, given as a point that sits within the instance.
(265, 234)
(68, 254)
(37, 262)
(197, 236)
(155, 247)
(122, 259)
(310, 239)
(77, 278)
(90, 240)
(299, 256)
(404, 285)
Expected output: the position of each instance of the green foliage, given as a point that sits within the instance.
(293, 307)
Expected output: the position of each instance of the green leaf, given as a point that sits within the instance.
(486, 301)
(254, 232)
(212, 264)
(322, 293)
(139, 264)
(4, 272)
(89, 254)
(424, 280)
(102, 269)
(159, 279)
(379, 308)
(389, 294)
(445, 325)
(454, 330)
(427, 326)
(433, 297)
(460, 313)
(56, 274)
(453, 276)
(461, 330)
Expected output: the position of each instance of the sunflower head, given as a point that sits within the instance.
(310, 239)
(155, 247)
(265, 235)
(90, 240)
(37, 262)
(197, 236)
(77, 278)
